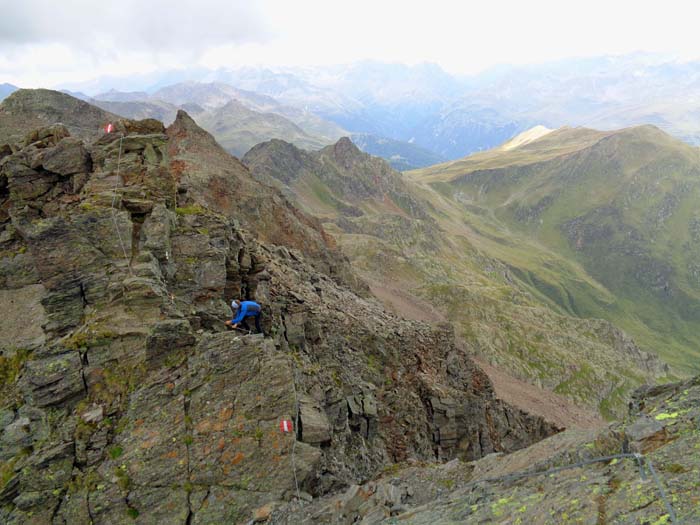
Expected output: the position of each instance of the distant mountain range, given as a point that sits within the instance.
(453, 116)
(401, 155)
(240, 119)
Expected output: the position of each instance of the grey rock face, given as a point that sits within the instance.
(535, 485)
(133, 402)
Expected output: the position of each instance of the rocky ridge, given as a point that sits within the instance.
(124, 401)
(352, 181)
(28, 109)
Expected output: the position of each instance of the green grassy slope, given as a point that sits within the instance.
(621, 207)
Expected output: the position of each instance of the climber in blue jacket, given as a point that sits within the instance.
(242, 310)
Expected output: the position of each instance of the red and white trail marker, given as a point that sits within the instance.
(109, 128)
(286, 425)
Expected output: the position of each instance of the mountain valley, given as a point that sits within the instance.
(411, 240)
(621, 204)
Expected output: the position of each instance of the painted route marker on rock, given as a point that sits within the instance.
(109, 128)
(286, 425)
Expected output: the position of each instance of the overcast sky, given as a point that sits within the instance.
(50, 42)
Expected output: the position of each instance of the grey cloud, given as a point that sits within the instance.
(141, 25)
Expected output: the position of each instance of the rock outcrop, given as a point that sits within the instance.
(207, 175)
(123, 399)
(536, 486)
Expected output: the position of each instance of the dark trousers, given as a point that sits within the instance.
(244, 323)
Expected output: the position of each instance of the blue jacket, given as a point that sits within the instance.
(246, 309)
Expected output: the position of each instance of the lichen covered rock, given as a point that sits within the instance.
(663, 425)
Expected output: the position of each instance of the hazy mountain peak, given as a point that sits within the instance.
(239, 128)
(648, 131)
(345, 144)
(234, 104)
(184, 125)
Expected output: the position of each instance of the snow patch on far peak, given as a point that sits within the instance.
(525, 137)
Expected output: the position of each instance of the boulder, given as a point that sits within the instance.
(262, 514)
(49, 468)
(93, 416)
(315, 428)
(142, 127)
(167, 336)
(26, 184)
(23, 317)
(68, 157)
(53, 380)
(48, 135)
(15, 437)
